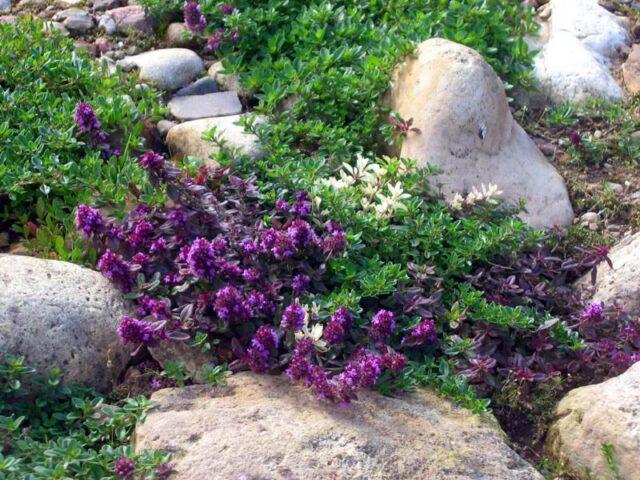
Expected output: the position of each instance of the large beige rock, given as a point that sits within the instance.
(619, 285)
(168, 68)
(263, 427)
(466, 130)
(590, 417)
(186, 139)
(61, 315)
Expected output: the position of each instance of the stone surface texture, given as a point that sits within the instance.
(192, 107)
(228, 81)
(58, 314)
(631, 71)
(263, 427)
(589, 417)
(458, 103)
(202, 86)
(169, 69)
(579, 39)
(620, 285)
(185, 139)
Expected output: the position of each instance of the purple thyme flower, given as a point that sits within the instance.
(394, 361)
(158, 246)
(88, 220)
(593, 313)
(264, 342)
(194, 20)
(230, 306)
(337, 240)
(382, 325)
(282, 205)
(424, 332)
(575, 137)
(299, 367)
(178, 217)
(116, 269)
(234, 35)
(156, 383)
(201, 259)
(261, 303)
(293, 317)
(164, 470)
(227, 9)
(124, 468)
(249, 246)
(250, 275)
(338, 325)
(300, 283)
(134, 331)
(151, 161)
(301, 233)
(141, 235)
(88, 122)
(214, 42)
(302, 206)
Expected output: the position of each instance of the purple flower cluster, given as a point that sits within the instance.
(151, 161)
(300, 283)
(136, 332)
(263, 344)
(382, 325)
(231, 306)
(338, 326)
(116, 269)
(227, 9)
(124, 468)
(422, 333)
(89, 220)
(194, 20)
(293, 318)
(593, 313)
(88, 122)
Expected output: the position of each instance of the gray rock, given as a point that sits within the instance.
(31, 5)
(614, 187)
(175, 35)
(68, 3)
(5, 6)
(192, 107)
(102, 5)
(132, 17)
(186, 139)
(164, 126)
(169, 69)
(61, 315)
(262, 426)
(50, 27)
(201, 86)
(79, 23)
(228, 81)
(592, 416)
(107, 25)
(64, 14)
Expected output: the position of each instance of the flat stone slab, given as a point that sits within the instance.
(264, 427)
(193, 107)
(201, 86)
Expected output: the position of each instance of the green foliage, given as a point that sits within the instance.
(615, 124)
(60, 432)
(45, 168)
(608, 452)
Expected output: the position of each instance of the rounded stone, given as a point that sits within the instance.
(169, 68)
(58, 314)
(265, 427)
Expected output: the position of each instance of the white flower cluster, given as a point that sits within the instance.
(485, 194)
(373, 182)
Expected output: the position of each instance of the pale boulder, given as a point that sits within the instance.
(263, 427)
(186, 139)
(596, 415)
(58, 314)
(168, 68)
(619, 285)
(459, 105)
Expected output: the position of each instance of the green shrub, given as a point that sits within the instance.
(45, 168)
(60, 432)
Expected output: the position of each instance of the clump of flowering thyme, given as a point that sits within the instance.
(88, 124)
(216, 261)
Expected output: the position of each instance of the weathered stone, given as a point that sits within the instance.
(228, 81)
(68, 3)
(578, 42)
(192, 107)
(31, 5)
(621, 284)
(132, 17)
(597, 415)
(107, 25)
(631, 71)
(80, 23)
(186, 139)
(103, 5)
(164, 126)
(61, 315)
(69, 12)
(201, 86)
(169, 69)
(175, 35)
(51, 27)
(466, 130)
(265, 427)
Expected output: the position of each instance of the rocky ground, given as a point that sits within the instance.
(580, 177)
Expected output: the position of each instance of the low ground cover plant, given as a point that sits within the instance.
(47, 166)
(57, 432)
